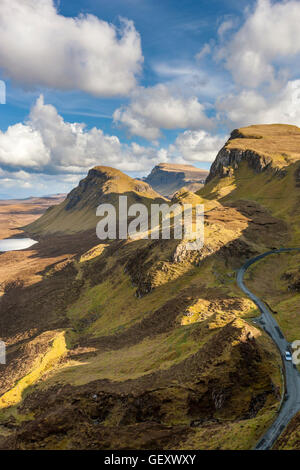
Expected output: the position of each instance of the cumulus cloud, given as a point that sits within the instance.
(21, 145)
(48, 144)
(250, 107)
(199, 146)
(154, 108)
(20, 178)
(265, 45)
(19, 184)
(46, 151)
(40, 47)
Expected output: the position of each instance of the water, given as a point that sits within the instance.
(16, 244)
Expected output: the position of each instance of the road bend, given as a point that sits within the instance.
(291, 401)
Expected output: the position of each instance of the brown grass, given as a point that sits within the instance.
(279, 141)
(14, 214)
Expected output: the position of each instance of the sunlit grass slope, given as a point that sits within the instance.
(78, 212)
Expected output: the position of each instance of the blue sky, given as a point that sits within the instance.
(172, 32)
(130, 83)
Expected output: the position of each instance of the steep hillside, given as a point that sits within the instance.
(137, 348)
(167, 178)
(15, 213)
(272, 146)
(141, 343)
(78, 211)
(262, 166)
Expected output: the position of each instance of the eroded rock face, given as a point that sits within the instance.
(93, 183)
(228, 160)
(262, 147)
(168, 178)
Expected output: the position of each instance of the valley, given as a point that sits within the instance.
(149, 229)
(18, 213)
(141, 344)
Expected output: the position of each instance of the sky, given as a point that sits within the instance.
(133, 83)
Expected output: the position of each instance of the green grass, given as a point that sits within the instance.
(42, 365)
(145, 357)
(116, 305)
(265, 279)
(239, 435)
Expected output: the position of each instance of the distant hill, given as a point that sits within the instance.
(77, 212)
(47, 200)
(167, 178)
(16, 213)
(143, 342)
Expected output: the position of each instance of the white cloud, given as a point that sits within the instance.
(250, 107)
(48, 152)
(21, 145)
(20, 184)
(265, 45)
(154, 108)
(188, 79)
(206, 50)
(40, 47)
(194, 146)
(20, 178)
(47, 144)
(224, 27)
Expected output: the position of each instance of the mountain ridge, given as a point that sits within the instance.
(167, 178)
(273, 146)
(78, 211)
(151, 343)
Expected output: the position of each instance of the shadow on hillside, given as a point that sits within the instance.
(28, 311)
(42, 305)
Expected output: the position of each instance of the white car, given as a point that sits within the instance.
(288, 356)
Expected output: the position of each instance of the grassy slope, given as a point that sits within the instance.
(278, 195)
(276, 278)
(103, 186)
(189, 332)
(280, 142)
(110, 308)
(268, 279)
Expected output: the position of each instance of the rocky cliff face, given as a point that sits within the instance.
(78, 212)
(263, 147)
(229, 159)
(142, 342)
(168, 178)
(102, 181)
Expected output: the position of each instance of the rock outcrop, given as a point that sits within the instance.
(262, 147)
(78, 212)
(168, 178)
(228, 160)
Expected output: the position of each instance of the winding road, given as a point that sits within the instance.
(291, 401)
